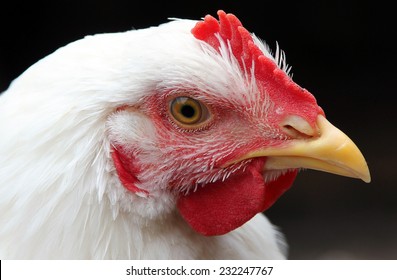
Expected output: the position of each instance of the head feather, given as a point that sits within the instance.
(269, 73)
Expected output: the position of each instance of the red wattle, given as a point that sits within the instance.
(220, 207)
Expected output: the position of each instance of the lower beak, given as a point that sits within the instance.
(332, 151)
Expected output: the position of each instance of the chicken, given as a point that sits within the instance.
(160, 143)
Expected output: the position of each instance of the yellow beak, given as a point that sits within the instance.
(332, 151)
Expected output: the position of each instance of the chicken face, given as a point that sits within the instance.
(226, 150)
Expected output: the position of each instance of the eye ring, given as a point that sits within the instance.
(188, 112)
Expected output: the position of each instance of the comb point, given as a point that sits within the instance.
(230, 30)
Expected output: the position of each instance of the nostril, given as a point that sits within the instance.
(292, 132)
(297, 127)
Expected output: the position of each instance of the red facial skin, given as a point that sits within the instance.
(195, 154)
(215, 207)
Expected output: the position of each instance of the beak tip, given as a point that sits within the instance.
(362, 172)
(366, 178)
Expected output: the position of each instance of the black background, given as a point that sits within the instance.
(341, 51)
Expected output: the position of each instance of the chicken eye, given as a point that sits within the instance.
(188, 112)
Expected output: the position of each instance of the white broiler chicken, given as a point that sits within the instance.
(160, 143)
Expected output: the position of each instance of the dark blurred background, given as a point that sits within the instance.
(341, 51)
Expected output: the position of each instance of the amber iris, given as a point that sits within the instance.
(188, 111)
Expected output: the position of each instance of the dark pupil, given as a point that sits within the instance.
(188, 111)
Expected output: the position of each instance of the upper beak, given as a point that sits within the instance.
(331, 151)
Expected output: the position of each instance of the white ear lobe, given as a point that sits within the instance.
(126, 128)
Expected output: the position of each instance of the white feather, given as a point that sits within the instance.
(60, 197)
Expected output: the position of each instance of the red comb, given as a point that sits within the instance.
(274, 80)
(232, 31)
